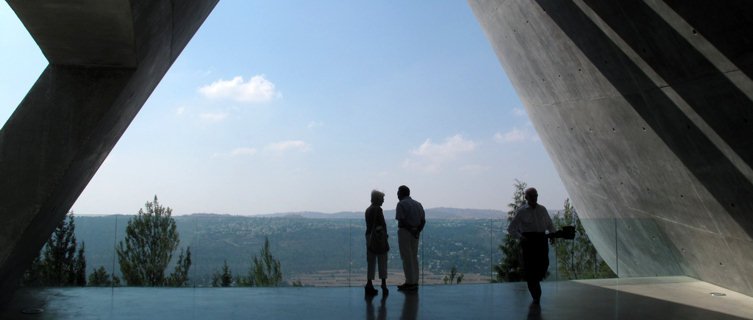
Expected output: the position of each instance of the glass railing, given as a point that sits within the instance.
(331, 251)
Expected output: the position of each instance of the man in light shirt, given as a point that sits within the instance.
(410, 221)
(529, 225)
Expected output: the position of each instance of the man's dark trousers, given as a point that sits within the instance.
(535, 261)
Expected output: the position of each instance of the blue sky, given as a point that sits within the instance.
(278, 106)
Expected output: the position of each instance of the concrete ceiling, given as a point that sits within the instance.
(81, 33)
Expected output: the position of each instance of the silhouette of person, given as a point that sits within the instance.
(375, 220)
(410, 222)
(529, 224)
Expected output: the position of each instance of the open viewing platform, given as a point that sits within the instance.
(634, 298)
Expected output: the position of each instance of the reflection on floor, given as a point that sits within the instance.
(635, 298)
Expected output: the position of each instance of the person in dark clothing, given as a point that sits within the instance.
(411, 219)
(375, 223)
(529, 224)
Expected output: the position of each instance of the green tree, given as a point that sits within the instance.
(265, 271)
(79, 267)
(179, 277)
(33, 274)
(510, 268)
(100, 278)
(453, 276)
(60, 263)
(577, 259)
(151, 238)
(224, 279)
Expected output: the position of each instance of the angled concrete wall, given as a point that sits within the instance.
(645, 108)
(106, 57)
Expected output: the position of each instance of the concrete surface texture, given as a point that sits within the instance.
(105, 59)
(645, 109)
(644, 298)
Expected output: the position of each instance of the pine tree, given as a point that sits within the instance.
(151, 238)
(224, 279)
(577, 259)
(79, 267)
(59, 264)
(100, 278)
(179, 277)
(266, 269)
(33, 274)
(227, 275)
(510, 268)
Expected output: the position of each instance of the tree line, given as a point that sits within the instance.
(150, 243)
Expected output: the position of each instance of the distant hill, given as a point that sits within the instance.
(308, 243)
(328, 246)
(433, 213)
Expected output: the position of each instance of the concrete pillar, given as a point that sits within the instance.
(106, 57)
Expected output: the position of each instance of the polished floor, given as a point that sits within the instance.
(635, 298)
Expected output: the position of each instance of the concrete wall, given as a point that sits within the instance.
(645, 108)
(106, 57)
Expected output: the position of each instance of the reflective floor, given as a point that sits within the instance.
(636, 298)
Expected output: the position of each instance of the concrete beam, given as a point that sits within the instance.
(82, 103)
(81, 33)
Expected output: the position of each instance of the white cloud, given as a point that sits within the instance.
(518, 112)
(314, 124)
(296, 145)
(213, 117)
(236, 152)
(451, 147)
(516, 135)
(256, 90)
(430, 156)
(180, 111)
